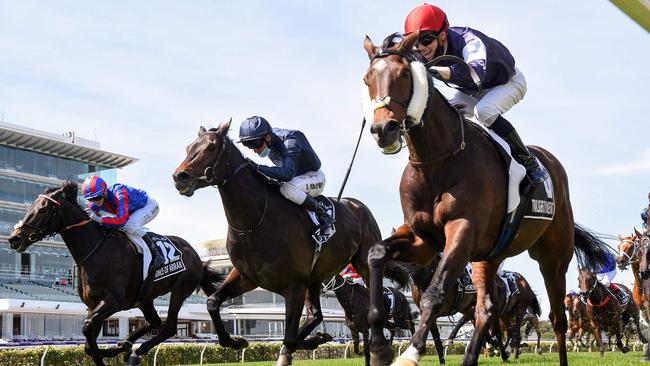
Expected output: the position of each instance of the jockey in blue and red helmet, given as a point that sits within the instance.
(607, 273)
(130, 210)
(503, 84)
(296, 164)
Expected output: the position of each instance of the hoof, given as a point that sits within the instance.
(125, 345)
(625, 349)
(284, 360)
(127, 356)
(505, 356)
(645, 359)
(135, 360)
(325, 337)
(382, 357)
(234, 342)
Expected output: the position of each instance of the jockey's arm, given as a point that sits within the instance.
(287, 170)
(443, 71)
(122, 215)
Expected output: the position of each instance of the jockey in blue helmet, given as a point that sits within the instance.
(644, 214)
(296, 164)
(130, 210)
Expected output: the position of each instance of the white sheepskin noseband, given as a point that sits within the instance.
(417, 104)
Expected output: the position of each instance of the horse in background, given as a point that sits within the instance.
(605, 311)
(579, 323)
(530, 323)
(628, 256)
(520, 303)
(270, 240)
(354, 300)
(110, 271)
(454, 193)
(644, 275)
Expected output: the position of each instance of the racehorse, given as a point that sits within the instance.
(530, 322)
(521, 302)
(453, 193)
(355, 300)
(628, 255)
(579, 324)
(458, 301)
(110, 271)
(269, 239)
(605, 314)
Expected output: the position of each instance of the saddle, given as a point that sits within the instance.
(465, 282)
(320, 235)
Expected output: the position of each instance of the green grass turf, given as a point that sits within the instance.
(575, 359)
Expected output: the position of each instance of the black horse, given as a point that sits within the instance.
(110, 271)
(355, 300)
(269, 239)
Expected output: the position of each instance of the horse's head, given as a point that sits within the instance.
(397, 90)
(643, 255)
(587, 282)
(627, 250)
(206, 162)
(45, 217)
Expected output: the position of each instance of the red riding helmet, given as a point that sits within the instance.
(426, 18)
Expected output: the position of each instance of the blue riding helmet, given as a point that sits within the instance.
(253, 128)
(644, 215)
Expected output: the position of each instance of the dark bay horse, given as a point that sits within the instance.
(110, 271)
(605, 312)
(355, 300)
(521, 303)
(644, 274)
(269, 239)
(453, 193)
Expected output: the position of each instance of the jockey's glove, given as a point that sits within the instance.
(95, 217)
(253, 164)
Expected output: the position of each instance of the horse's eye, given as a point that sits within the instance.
(212, 146)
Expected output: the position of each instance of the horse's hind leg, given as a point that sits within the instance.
(366, 348)
(93, 325)
(313, 319)
(235, 285)
(483, 274)
(167, 330)
(153, 322)
(293, 304)
(642, 337)
(435, 334)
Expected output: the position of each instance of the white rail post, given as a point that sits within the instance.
(43, 357)
(155, 355)
(399, 350)
(243, 354)
(466, 347)
(445, 352)
(550, 348)
(313, 354)
(347, 346)
(202, 351)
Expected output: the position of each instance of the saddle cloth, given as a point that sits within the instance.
(319, 235)
(465, 281)
(172, 262)
(510, 281)
(389, 300)
(620, 294)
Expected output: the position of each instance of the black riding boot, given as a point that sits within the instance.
(323, 217)
(156, 260)
(536, 174)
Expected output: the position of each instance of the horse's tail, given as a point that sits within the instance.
(591, 252)
(211, 279)
(397, 272)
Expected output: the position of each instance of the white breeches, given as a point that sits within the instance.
(135, 230)
(493, 102)
(297, 189)
(607, 277)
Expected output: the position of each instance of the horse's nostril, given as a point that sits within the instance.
(183, 176)
(392, 127)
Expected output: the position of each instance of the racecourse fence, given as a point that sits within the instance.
(197, 353)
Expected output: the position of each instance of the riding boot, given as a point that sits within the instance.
(324, 218)
(156, 259)
(535, 173)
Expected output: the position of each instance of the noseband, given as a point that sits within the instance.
(635, 247)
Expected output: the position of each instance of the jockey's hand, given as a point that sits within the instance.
(95, 217)
(252, 163)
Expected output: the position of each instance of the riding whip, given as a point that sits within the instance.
(347, 174)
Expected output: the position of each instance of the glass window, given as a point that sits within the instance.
(9, 218)
(52, 326)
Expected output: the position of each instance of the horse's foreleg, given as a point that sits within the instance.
(619, 329)
(637, 324)
(355, 340)
(366, 347)
(235, 285)
(167, 330)
(483, 274)
(435, 334)
(380, 351)
(539, 336)
(293, 304)
(454, 332)
(153, 322)
(93, 325)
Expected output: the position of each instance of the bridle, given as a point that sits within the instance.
(208, 174)
(38, 234)
(407, 123)
(635, 248)
(587, 294)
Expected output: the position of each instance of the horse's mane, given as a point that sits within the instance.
(69, 191)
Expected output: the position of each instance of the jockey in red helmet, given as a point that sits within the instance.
(129, 208)
(504, 85)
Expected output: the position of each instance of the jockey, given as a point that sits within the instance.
(503, 84)
(644, 214)
(130, 209)
(296, 164)
(349, 273)
(607, 273)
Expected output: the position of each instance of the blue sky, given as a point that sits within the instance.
(141, 77)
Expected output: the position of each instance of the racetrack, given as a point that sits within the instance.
(579, 359)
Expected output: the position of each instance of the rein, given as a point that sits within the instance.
(208, 174)
(241, 232)
(635, 247)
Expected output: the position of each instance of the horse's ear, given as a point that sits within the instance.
(409, 42)
(369, 46)
(202, 130)
(637, 233)
(223, 128)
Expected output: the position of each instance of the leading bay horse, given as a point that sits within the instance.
(110, 271)
(269, 240)
(453, 193)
